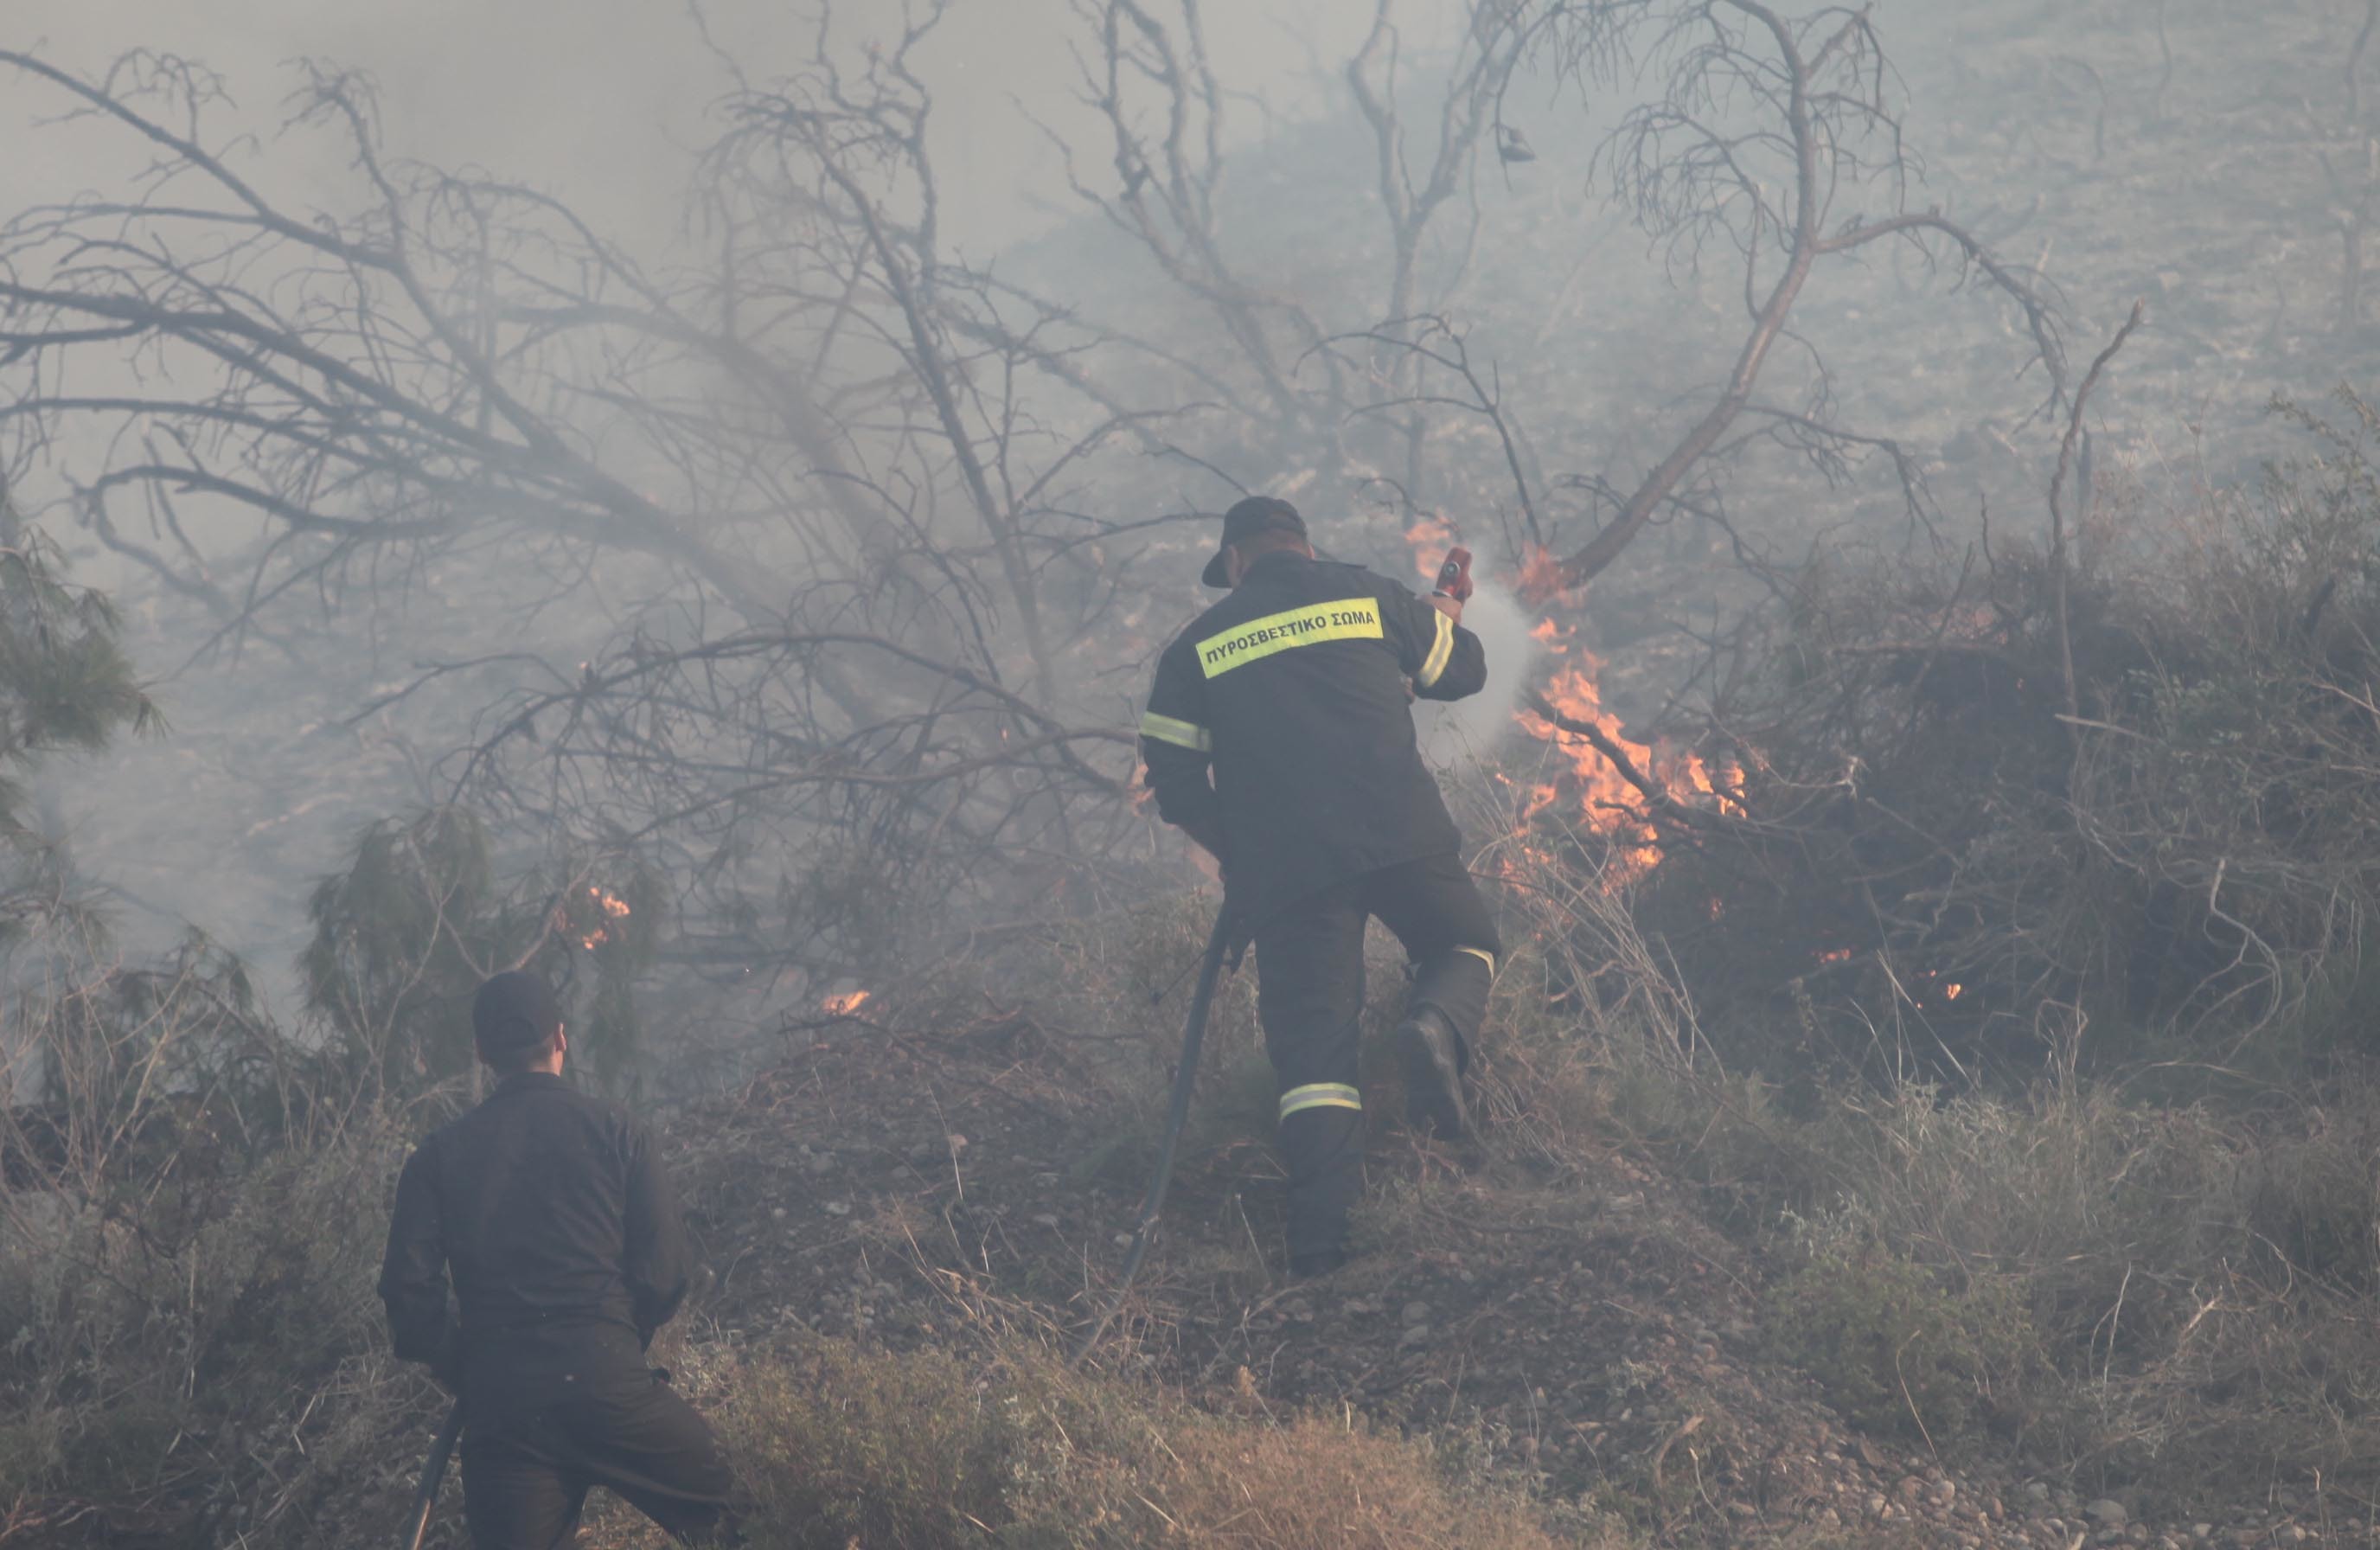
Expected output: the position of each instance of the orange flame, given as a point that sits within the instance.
(1541, 579)
(1610, 805)
(847, 1003)
(1431, 538)
(603, 908)
(1954, 991)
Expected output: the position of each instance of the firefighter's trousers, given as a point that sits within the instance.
(526, 1475)
(1310, 999)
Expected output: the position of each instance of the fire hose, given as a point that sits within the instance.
(1186, 1074)
(434, 1475)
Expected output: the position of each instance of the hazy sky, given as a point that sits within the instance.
(597, 99)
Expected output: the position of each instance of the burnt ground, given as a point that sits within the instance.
(1597, 1333)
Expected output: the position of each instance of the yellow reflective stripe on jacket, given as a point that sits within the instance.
(1319, 1096)
(1483, 955)
(1352, 619)
(1439, 651)
(1181, 734)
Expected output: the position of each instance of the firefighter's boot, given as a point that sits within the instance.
(1432, 1051)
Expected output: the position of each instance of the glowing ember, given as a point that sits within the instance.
(1953, 990)
(847, 1003)
(589, 926)
(1840, 954)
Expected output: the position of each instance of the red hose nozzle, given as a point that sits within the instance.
(1455, 576)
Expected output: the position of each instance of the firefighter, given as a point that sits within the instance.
(551, 1215)
(1279, 737)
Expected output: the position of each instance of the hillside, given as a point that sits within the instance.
(1859, 1171)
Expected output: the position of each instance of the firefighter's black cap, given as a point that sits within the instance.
(1257, 514)
(514, 1015)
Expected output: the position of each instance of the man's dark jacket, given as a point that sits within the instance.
(552, 1214)
(1292, 692)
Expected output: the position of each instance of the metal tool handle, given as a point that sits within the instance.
(1185, 1078)
(434, 1475)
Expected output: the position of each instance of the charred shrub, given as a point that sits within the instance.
(2009, 814)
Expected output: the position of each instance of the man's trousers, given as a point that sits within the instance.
(526, 1476)
(1310, 999)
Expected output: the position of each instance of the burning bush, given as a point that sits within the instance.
(1944, 864)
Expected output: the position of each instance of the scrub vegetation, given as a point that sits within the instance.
(1929, 1093)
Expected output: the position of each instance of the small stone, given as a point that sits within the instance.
(2036, 1491)
(2108, 1513)
(1416, 1312)
(776, 1213)
(1414, 1335)
(838, 1208)
(821, 1163)
(2202, 1531)
(1045, 1219)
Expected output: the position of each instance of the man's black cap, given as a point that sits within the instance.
(1257, 514)
(514, 1014)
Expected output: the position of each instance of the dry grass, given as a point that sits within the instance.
(841, 1446)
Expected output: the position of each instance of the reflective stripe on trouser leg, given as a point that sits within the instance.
(1309, 991)
(1320, 1095)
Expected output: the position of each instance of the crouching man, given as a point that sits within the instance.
(1280, 736)
(551, 1216)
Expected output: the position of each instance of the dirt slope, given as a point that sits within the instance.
(1593, 1332)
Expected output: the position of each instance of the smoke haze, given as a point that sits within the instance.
(1250, 335)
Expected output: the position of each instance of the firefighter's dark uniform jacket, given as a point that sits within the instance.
(1292, 690)
(552, 1214)
(1280, 736)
